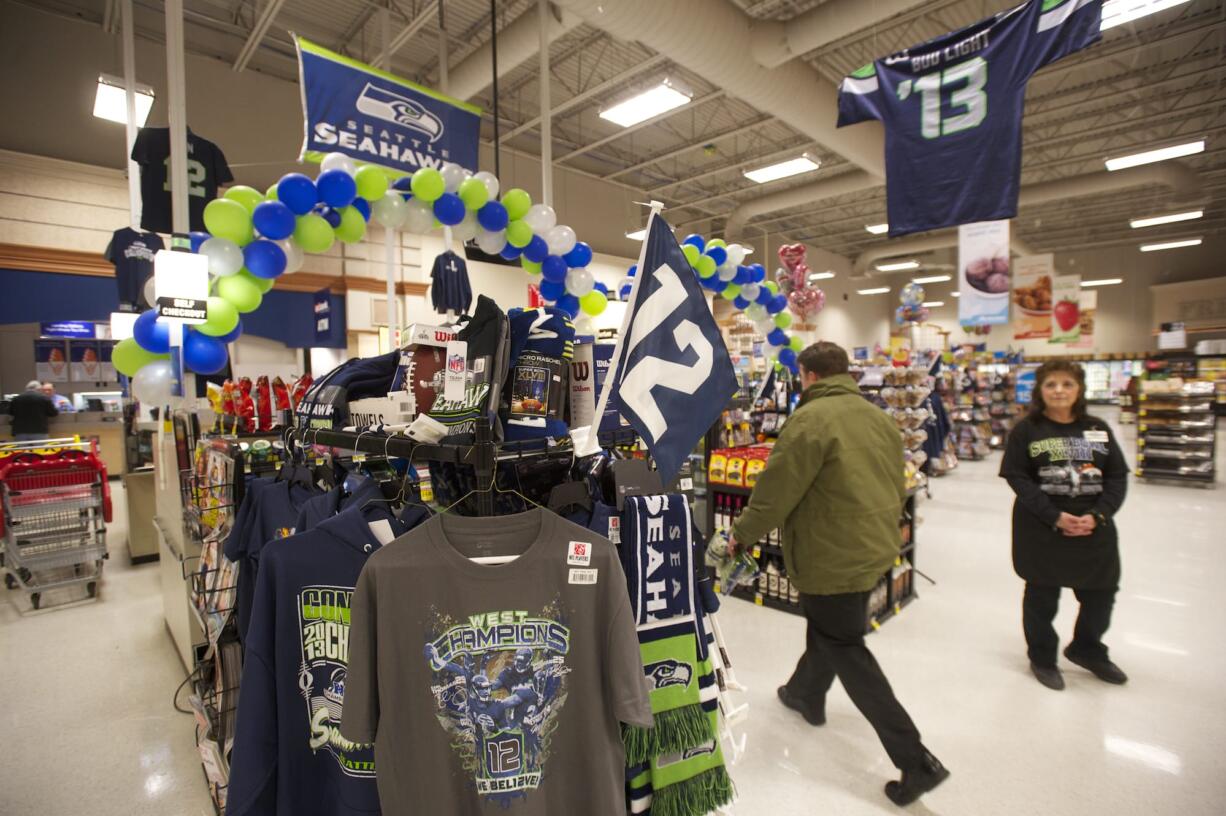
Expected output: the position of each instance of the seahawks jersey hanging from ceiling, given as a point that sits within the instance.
(952, 111)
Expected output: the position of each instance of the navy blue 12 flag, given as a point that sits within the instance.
(674, 377)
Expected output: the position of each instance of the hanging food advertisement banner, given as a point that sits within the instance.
(1088, 304)
(105, 348)
(50, 361)
(1032, 276)
(376, 117)
(983, 273)
(1066, 309)
(85, 365)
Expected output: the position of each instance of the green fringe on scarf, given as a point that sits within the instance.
(700, 794)
(676, 730)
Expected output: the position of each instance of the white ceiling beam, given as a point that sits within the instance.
(427, 13)
(262, 24)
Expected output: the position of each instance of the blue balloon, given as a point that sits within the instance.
(297, 192)
(777, 337)
(578, 257)
(715, 284)
(552, 290)
(765, 296)
(511, 253)
(694, 239)
(233, 335)
(795, 369)
(717, 254)
(493, 216)
(569, 304)
(634, 270)
(197, 239)
(150, 333)
(264, 259)
(788, 357)
(336, 188)
(744, 275)
(274, 220)
(553, 268)
(759, 272)
(537, 250)
(624, 292)
(362, 206)
(331, 215)
(601, 288)
(449, 209)
(204, 354)
(404, 184)
(740, 302)
(778, 304)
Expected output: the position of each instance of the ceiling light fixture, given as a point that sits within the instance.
(111, 100)
(1187, 242)
(898, 267)
(1118, 12)
(791, 167)
(816, 276)
(932, 279)
(1191, 215)
(956, 294)
(932, 304)
(643, 106)
(637, 235)
(881, 290)
(877, 229)
(1157, 155)
(1101, 282)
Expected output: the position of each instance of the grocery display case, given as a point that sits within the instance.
(1176, 431)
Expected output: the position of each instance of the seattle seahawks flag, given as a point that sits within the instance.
(671, 374)
(377, 117)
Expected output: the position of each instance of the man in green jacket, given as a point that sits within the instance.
(834, 482)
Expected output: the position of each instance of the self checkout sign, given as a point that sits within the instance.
(181, 286)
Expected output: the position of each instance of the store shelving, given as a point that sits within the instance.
(1176, 431)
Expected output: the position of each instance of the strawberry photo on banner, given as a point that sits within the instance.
(1066, 309)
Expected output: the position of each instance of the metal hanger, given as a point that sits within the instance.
(492, 560)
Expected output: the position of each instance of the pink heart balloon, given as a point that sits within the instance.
(806, 302)
(792, 254)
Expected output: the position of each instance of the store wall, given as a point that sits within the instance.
(17, 362)
(257, 356)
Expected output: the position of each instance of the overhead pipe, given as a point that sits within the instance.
(772, 43)
(851, 182)
(517, 43)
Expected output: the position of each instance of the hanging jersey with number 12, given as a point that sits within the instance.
(952, 110)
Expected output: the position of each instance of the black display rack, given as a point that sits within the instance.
(1176, 435)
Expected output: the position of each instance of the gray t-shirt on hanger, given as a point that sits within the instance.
(488, 687)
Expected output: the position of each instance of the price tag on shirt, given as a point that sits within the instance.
(579, 554)
(685, 484)
(1096, 436)
(583, 576)
(615, 530)
(457, 368)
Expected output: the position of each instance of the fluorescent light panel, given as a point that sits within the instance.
(877, 229)
(821, 275)
(783, 169)
(111, 100)
(881, 290)
(1192, 215)
(1156, 155)
(898, 267)
(955, 294)
(932, 304)
(641, 107)
(1170, 245)
(1101, 282)
(932, 279)
(1118, 12)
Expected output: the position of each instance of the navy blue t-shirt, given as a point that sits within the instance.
(289, 757)
(449, 287)
(132, 254)
(325, 505)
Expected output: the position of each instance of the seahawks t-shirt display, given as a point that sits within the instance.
(449, 288)
(206, 171)
(132, 253)
(495, 688)
(289, 757)
(952, 110)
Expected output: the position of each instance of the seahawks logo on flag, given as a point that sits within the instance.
(673, 374)
(665, 673)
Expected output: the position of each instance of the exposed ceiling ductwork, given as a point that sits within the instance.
(517, 43)
(851, 182)
(708, 37)
(774, 43)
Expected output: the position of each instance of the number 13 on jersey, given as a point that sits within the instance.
(965, 83)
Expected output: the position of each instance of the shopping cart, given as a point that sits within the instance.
(54, 505)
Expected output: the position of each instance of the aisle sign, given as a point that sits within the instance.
(379, 118)
(1066, 309)
(76, 329)
(984, 273)
(181, 287)
(323, 315)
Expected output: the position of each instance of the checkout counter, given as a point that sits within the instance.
(98, 415)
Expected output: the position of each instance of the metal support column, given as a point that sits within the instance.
(129, 84)
(542, 13)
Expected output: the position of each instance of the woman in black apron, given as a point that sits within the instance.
(1070, 478)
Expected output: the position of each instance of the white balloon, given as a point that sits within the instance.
(152, 383)
(750, 292)
(225, 257)
(294, 256)
(541, 218)
(390, 211)
(338, 161)
(560, 239)
(467, 229)
(584, 325)
(765, 326)
(148, 292)
(736, 254)
(726, 272)
(756, 312)
(491, 243)
(490, 181)
(419, 217)
(580, 281)
(453, 176)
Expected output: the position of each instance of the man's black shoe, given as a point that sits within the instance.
(811, 717)
(915, 784)
(1102, 668)
(1048, 676)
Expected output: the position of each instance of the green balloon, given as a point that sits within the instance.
(353, 226)
(731, 291)
(783, 320)
(271, 194)
(691, 254)
(128, 357)
(797, 345)
(717, 242)
(223, 317)
(517, 202)
(313, 233)
(519, 234)
(532, 267)
(705, 266)
(263, 284)
(771, 285)
(371, 182)
(473, 194)
(428, 184)
(594, 302)
(240, 291)
(226, 218)
(249, 197)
